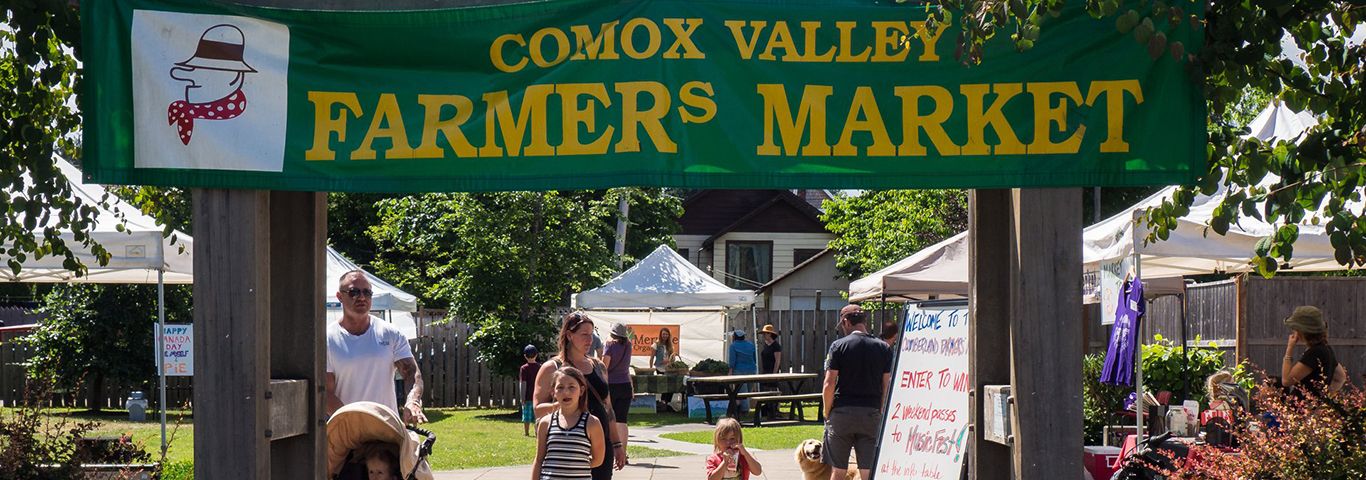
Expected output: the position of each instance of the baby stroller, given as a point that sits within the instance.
(360, 428)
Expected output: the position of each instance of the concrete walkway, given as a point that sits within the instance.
(777, 464)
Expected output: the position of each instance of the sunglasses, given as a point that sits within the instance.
(574, 320)
(356, 292)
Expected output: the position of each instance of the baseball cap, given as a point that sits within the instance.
(852, 311)
(530, 350)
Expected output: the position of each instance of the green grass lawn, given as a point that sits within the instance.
(115, 423)
(466, 437)
(476, 438)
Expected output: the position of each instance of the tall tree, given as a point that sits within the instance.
(38, 80)
(1312, 179)
(505, 261)
(879, 227)
(98, 334)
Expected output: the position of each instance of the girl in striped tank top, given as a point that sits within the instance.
(569, 441)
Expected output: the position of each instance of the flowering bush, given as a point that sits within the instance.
(1291, 438)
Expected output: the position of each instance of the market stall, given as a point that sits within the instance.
(664, 290)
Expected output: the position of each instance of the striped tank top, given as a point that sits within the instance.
(568, 453)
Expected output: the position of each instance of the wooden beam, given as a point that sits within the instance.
(1045, 322)
(298, 347)
(1240, 326)
(989, 322)
(231, 334)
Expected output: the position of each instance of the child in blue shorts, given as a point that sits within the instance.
(527, 382)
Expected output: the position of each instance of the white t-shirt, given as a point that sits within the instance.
(364, 364)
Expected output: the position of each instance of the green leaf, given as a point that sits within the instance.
(1263, 246)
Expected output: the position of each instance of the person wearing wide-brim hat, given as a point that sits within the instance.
(770, 357)
(1318, 369)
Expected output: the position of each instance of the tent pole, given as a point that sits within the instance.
(1139, 405)
(161, 346)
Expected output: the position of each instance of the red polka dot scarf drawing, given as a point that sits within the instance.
(183, 114)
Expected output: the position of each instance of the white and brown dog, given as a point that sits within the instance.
(809, 460)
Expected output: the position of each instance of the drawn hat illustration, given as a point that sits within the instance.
(220, 48)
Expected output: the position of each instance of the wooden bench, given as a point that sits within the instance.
(707, 398)
(794, 405)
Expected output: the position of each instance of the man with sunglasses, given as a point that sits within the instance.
(363, 352)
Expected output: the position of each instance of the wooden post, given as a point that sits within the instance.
(258, 318)
(1044, 323)
(1240, 347)
(989, 322)
(298, 349)
(232, 333)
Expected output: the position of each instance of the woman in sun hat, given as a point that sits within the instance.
(1318, 369)
(617, 356)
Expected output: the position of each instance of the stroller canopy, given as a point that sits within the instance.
(356, 424)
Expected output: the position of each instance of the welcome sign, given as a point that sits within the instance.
(599, 93)
(925, 427)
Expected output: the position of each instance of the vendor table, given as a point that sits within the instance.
(732, 383)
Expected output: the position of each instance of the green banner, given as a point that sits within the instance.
(586, 94)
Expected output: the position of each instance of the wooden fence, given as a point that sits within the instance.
(1243, 318)
(15, 386)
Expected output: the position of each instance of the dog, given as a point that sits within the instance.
(809, 461)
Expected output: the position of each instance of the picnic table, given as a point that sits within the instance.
(731, 385)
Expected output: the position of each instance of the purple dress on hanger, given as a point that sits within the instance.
(1119, 358)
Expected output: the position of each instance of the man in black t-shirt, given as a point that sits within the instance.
(857, 370)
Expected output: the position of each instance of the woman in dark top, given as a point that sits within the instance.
(576, 338)
(1317, 370)
(617, 356)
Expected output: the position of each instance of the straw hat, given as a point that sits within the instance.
(1307, 319)
(769, 329)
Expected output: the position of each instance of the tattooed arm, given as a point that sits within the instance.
(412, 380)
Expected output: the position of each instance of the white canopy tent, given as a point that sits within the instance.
(939, 269)
(1190, 249)
(137, 252)
(664, 289)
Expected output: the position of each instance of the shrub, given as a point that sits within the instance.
(178, 471)
(1163, 368)
(34, 446)
(1309, 438)
(1100, 402)
(1162, 371)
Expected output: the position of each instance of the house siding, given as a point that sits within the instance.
(695, 253)
(821, 274)
(784, 244)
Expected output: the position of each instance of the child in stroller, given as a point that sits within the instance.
(365, 434)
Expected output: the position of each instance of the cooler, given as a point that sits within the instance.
(1101, 461)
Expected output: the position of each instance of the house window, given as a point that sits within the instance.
(683, 252)
(749, 265)
(800, 255)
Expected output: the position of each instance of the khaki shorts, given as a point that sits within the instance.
(849, 428)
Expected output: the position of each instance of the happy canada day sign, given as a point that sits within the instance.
(568, 94)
